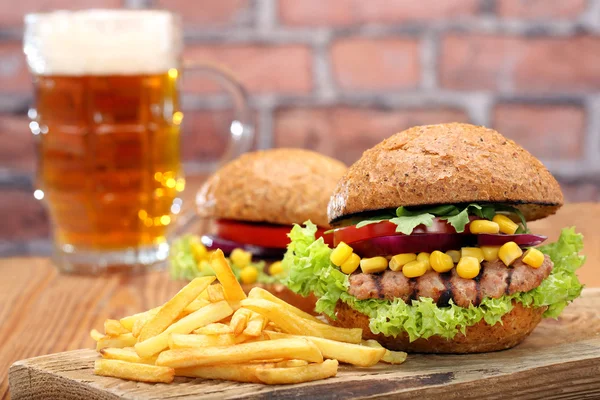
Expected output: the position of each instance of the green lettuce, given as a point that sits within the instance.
(309, 270)
(408, 218)
(183, 264)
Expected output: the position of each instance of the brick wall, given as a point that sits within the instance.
(338, 76)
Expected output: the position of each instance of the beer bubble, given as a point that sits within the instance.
(38, 194)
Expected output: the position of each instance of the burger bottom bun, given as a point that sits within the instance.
(479, 338)
(306, 304)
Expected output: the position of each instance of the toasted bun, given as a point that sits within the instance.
(479, 338)
(446, 164)
(306, 304)
(278, 186)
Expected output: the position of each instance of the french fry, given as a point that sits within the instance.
(172, 308)
(390, 357)
(194, 306)
(112, 327)
(124, 340)
(260, 293)
(180, 341)
(126, 354)
(264, 350)
(216, 328)
(138, 325)
(128, 322)
(255, 325)
(290, 363)
(134, 372)
(306, 373)
(95, 335)
(206, 315)
(289, 323)
(215, 292)
(355, 354)
(239, 319)
(232, 372)
(231, 286)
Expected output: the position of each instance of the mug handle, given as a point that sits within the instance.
(241, 130)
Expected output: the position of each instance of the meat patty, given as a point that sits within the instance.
(494, 280)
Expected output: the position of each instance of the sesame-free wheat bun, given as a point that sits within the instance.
(446, 164)
(478, 338)
(277, 186)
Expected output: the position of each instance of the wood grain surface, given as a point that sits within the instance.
(561, 359)
(43, 312)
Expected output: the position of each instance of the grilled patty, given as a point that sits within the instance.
(494, 280)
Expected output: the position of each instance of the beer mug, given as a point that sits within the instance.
(107, 119)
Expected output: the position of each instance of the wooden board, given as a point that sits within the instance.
(561, 359)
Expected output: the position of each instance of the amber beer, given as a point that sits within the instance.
(107, 120)
(109, 157)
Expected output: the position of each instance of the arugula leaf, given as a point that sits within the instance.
(406, 224)
(447, 209)
(371, 221)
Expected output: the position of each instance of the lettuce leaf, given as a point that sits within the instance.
(310, 270)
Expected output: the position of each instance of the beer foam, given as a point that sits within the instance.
(102, 42)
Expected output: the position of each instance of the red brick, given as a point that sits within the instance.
(211, 13)
(541, 9)
(14, 75)
(345, 12)
(547, 131)
(345, 132)
(519, 64)
(366, 64)
(23, 217)
(12, 12)
(281, 69)
(17, 146)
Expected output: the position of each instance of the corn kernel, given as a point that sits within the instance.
(441, 262)
(340, 254)
(534, 258)
(490, 253)
(276, 268)
(454, 254)
(468, 267)
(350, 265)
(400, 260)
(472, 252)
(241, 258)
(424, 258)
(483, 226)
(414, 269)
(248, 275)
(506, 225)
(509, 252)
(198, 251)
(373, 265)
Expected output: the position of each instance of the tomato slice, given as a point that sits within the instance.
(350, 234)
(264, 235)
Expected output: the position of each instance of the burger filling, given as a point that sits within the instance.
(436, 270)
(254, 251)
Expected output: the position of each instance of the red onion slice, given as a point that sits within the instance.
(522, 239)
(396, 244)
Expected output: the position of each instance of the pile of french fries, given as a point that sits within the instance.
(212, 330)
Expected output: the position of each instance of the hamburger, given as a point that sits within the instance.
(252, 202)
(431, 249)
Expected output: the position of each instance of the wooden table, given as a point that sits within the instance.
(42, 312)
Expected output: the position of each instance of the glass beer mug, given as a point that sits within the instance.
(107, 119)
